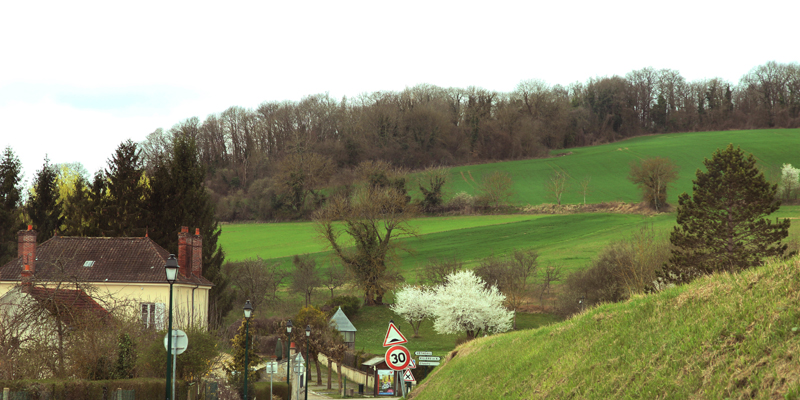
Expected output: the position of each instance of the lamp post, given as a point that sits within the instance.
(171, 269)
(248, 311)
(308, 360)
(289, 356)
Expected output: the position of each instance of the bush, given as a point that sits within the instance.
(350, 305)
(192, 365)
(279, 389)
(91, 390)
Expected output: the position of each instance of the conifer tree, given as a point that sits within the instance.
(723, 225)
(127, 192)
(10, 195)
(179, 198)
(44, 205)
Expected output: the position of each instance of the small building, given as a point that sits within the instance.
(387, 381)
(345, 327)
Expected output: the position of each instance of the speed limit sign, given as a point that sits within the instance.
(397, 357)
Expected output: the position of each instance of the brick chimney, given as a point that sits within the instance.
(26, 247)
(197, 253)
(26, 276)
(184, 251)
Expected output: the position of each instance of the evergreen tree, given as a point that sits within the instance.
(126, 205)
(237, 364)
(96, 198)
(44, 205)
(723, 226)
(77, 210)
(10, 195)
(179, 198)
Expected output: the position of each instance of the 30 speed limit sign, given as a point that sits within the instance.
(397, 358)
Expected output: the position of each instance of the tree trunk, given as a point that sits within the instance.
(330, 369)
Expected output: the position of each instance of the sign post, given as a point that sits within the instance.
(180, 341)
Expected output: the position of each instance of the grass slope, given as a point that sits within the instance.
(608, 165)
(724, 336)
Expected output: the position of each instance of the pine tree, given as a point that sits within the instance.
(179, 198)
(126, 205)
(44, 205)
(723, 226)
(10, 195)
(233, 369)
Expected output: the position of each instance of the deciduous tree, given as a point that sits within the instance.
(414, 304)
(723, 225)
(305, 276)
(374, 218)
(653, 176)
(466, 304)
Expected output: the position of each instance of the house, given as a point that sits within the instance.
(127, 270)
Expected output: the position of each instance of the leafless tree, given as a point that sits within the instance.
(585, 187)
(653, 176)
(305, 276)
(257, 281)
(557, 184)
(436, 270)
(549, 275)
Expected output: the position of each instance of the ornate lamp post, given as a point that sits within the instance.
(248, 311)
(308, 360)
(289, 358)
(171, 269)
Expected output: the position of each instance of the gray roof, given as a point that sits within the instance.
(341, 322)
(372, 361)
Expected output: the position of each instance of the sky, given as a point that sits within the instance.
(78, 78)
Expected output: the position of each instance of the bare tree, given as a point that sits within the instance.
(585, 187)
(305, 277)
(496, 189)
(374, 217)
(335, 277)
(653, 176)
(557, 184)
(436, 270)
(549, 275)
(257, 281)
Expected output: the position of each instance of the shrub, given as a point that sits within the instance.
(350, 305)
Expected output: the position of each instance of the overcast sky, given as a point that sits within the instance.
(77, 78)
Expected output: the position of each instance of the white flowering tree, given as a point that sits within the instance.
(413, 304)
(465, 304)
(790, 182)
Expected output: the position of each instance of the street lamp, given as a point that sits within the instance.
(308, 360)
(171, 269)
(248, 311)
(289, 356)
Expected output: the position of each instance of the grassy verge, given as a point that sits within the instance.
(724, 336)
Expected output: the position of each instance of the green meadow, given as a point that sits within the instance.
(721, 337)
(608, 165)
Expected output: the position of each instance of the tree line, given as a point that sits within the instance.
(261, 160)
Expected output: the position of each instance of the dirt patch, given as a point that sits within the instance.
(616, 207)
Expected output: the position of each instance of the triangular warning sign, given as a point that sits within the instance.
(408, 376)
(412, 364)
(393, 336)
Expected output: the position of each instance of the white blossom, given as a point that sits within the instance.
(414, 304)
(790, 181)
(464, 304)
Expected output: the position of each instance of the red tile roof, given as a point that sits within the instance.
(70, 304)
(62, 258)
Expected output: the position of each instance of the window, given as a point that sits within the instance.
(153, 315)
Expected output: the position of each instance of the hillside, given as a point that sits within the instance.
(724, 336)
(608, 165)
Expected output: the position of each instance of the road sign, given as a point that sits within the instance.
(427, 358)
(393, 336)
(408, 376)
(272, 367)
(428, 363)
(397, 358)
(423, 353)
(179, 341)
(412, 364)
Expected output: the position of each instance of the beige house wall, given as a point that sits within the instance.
(189, 302)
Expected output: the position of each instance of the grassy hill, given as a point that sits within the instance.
(608, 165)
(725, 336)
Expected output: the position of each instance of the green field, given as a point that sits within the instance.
(608, 165)
(723, 336)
